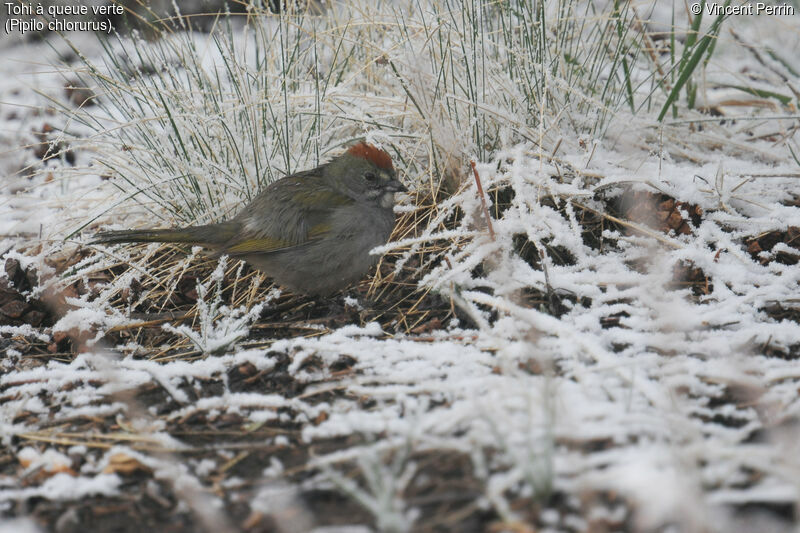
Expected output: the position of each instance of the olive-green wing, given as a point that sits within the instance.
(302, 215)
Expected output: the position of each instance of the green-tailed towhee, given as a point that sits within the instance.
(311, 231)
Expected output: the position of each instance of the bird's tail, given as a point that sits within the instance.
(201, 235)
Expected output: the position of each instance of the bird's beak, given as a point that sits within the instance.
(395, 186)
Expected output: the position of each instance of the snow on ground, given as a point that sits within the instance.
(638, 400)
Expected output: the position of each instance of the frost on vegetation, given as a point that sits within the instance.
(64, 487)
(25, 330)
(89, 318)
(283, 503)
(385, 478)
(51, 460)
(654, 388)
(607, 278)
(220, 326)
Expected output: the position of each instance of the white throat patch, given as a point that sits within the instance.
(387, 200)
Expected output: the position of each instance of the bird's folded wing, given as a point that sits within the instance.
(257, 245)
(319, 199)
(267, 244)
(310, 209)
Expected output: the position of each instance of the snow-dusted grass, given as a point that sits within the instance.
(677, 411)
(220, 326)
(190, 125)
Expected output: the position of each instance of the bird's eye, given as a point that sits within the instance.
(370, 177)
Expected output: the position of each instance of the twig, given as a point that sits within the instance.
(151, 323)
(483, 200)
(92, 441)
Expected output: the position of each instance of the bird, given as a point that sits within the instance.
(311, 231)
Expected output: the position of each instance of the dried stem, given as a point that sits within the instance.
(483, 200)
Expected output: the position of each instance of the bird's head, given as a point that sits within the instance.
(366, 174)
